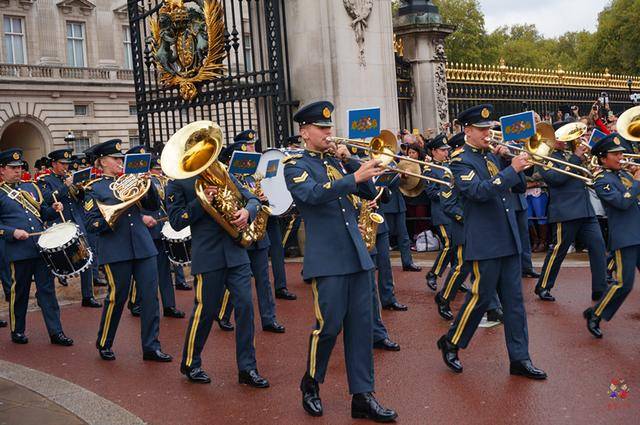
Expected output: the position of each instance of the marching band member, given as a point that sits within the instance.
(126, 251)
(439, 151)
(152, 219)
(217, 262)
(618, 190)
(22, 212)
(336, 261)
(492, 244)
(571, 215)
(258, 251)
(59, 184)
(451, 205)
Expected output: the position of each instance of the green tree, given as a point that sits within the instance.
(467, 43)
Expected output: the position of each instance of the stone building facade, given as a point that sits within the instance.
(65, 65)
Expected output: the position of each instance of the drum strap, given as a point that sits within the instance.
(24, 198)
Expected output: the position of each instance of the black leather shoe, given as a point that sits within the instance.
(156, 356)
(544, 295)
(593, 323)
(432, 281)
(225, 325)
(61, 339)
(530, 273)
(311, 402)
(183, 287)
(274, 327)
(107, 354)
(195, 374)
(526, 369)
(284, 294)
(450, 354)
(396, 306)
(99, 281)
(413, 267)
(63, 281)
(495, 315)
(173, 312)
(365, 406)
(3, 324)
(596, 295)
(91, 302)
(444, 310)
(252, 378)
(19, 338)
(292, 252)
(387, 345)
(136, 310)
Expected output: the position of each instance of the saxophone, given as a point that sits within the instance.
(369, 221)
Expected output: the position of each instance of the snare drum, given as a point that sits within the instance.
(273, 184)
(65, 249)
(177, 245)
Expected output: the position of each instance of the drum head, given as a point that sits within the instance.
(169, 233)
(273, 184)
(57, 235)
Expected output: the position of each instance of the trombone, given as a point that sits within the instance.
(539, 147)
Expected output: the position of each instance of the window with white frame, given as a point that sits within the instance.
(14, 42)
(248, 54)
(81, 144)
(81, 110)
(126, 40)
(76, 44)
(134, 141)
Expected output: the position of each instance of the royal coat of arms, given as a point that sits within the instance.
(187, 44)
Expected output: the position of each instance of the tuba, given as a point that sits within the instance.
(129, 189)
(628, 125)
(193, 151)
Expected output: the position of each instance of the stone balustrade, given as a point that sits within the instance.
(12, 72)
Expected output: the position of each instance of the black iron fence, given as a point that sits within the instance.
(170, 44)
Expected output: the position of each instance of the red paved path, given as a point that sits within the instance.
(414, 381)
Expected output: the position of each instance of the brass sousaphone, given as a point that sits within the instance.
(193, 151)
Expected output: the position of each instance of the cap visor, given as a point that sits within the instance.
(617, 149)
(15, 163)
(64, 161)
(483, 124)
(116, 155)
(323, 124)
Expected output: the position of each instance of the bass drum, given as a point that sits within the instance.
(65, 249)
(273, 185)
(177, 245)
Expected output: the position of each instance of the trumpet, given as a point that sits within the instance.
(539, 147)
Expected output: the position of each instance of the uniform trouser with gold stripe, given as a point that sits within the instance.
(23, 272)
(209, 288)
(379, 330)
(488, 276)
(627, 261)
(119, 276)
(565, 233)
(445, 255)
(343, 302)
(385, 274)
(266, 305)
(165, 283)
(276, 252)
(457, 274)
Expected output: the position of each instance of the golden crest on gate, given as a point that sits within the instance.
(187, 44)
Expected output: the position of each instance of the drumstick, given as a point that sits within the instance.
(162, 219)
(36, 233)
(59, 212)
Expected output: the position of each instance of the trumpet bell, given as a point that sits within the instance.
(628, 124)
(543, 142)
(383, 146)
(191, 150)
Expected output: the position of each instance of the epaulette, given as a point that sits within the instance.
(41, 176)
(457, 152)
(290, 157)
(87, 185)
(598, 174)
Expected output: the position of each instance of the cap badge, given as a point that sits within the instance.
(142, 150)
(485, 113)
(250, 136)
(243, 147)
(326, 113)
(16, 155)
(66, 154)
(616, 141)
(118, 146)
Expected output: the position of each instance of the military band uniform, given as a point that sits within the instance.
(337, 262)
(395, 214)
(53, 185)
(259, 261)
(440, 221)
(619, 193)
(382, 260)
(5, 272)
(22, 207)
(126, 251)
(217, 262)
(571, 215)
(276, 252)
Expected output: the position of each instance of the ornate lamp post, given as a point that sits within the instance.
(69, 139)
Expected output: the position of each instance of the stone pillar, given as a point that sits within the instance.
(345, 55)
(420, 27)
